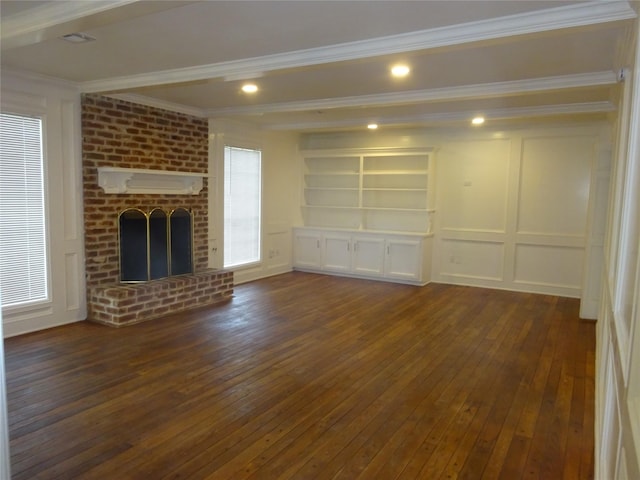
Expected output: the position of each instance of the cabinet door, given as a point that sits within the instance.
(403, 259)
(307, 250)
(368, 256)
(336, 253)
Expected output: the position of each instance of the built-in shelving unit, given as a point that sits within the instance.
(384, 190)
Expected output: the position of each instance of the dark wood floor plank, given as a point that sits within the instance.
(477, 455)
(366, 401)
(308, 376)
(396, 364)
(518, 370)
(441, 445)
(490, 410)
(326, 456)
(390, 458)
(230, 441)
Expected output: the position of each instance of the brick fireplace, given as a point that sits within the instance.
(121, 134)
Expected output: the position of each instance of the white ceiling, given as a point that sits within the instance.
(325, 64)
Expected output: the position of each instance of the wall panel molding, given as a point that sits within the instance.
(557, 240)
(545, 233)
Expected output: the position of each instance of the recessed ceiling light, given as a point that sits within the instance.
(78, 37)
(477, 121)
(400, 70)
(249, 88)
(372, 126)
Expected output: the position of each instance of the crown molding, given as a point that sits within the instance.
(623, 55)
(157, 103)
(574, 15)
(484, 90)
(453, 117)
(9, 74)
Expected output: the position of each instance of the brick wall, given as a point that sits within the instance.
(117, 133)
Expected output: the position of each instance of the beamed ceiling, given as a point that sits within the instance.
(325, 64)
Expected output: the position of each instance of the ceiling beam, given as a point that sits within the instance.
(575, 15)
(457, 117)
(465, 92)
(462, 92)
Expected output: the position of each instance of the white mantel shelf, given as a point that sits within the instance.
(138, 180)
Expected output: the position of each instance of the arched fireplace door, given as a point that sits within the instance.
(155, 244)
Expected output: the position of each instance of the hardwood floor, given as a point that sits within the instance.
(307, 376)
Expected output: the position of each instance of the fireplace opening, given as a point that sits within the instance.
(156, 244)
(181, 242)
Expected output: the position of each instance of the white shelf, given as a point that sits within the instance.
(396, 209)
(339, 189)
(382, 190)
(333, 207)
(393, 189)
(140, 181)
(333, 174)
(395, 172)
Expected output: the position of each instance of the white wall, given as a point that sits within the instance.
(59, 105)
(513, 208)
(281, 201)
(280, 208)
(617, 421)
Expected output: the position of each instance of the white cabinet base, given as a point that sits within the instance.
(400, 258)
(368, 256)
(306, 249)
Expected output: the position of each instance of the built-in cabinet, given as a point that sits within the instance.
(403, 258)
(357, 253)
(367, 214)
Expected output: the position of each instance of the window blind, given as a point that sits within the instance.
(23, 262)
(242, 206)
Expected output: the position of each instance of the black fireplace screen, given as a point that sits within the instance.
(156, 244)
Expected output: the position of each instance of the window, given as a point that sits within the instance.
(23, 260)
(242, 206)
